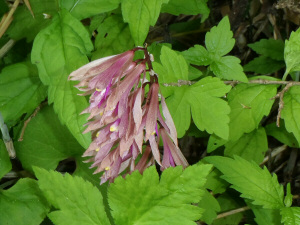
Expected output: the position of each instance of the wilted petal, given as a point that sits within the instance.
(151, 119)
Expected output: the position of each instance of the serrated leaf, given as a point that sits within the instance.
(21, 91)
(251, 146)
(215, 142)
(211, 207)
(113, 37)
(292, 52)
(266, 216)
(149, 200)
(23, 204)
(291, 111)
(197, 55)
(140, 15)
(281, 134)
(264, 65)
(46, 144)
(82, 9)
(271, 48)
(5, 164)
(219, 40)
(56, 61)
(26, 26)
(228, 203)
(253, 182)
(177, 7)
(248, 103)
(173, 68)
(214, 183)
(77, 201)
(209, 112)
(228, 68)
(290, 216)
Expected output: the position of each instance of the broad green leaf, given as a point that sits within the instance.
(177, 7)
(172, 69)
(290, 216)
(197, 55)
(270, 48)
(291, 53)
(180, 110)
(140, 15)
(113, 37)
(5, 164)
(194, 73)
(46, 143)
(3, 7)
(57, 51)
(291, 111)
(281, 134)
(21, 91)
(248, 103)
(76, 200)
(266, 216)
(26, 26)
(211, 207)
(228, 203)
(214, 183)
(228, 68)
(82, 9)
(219, 40)
(264, 65)
(149, 200)
(23, 204)
(214, 142)
(209, 112)
(253, 182)
(251, 146)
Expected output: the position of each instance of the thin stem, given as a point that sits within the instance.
(6, 138)
(234, 211)
(6, 48)
(285, 75)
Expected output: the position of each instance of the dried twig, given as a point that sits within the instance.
(274, 153)
(7, 19)
(7, 139)
(6, 48)
(27, 121)
(234, 211)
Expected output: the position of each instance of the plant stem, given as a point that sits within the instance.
(6, 138)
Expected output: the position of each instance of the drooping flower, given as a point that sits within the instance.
(124, 122)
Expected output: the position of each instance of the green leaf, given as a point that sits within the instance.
(26, 26)
(251, 146)
(266, 216)
(228, 68)
(290, 216)
(177, 7)
(113, 37)
(5, 164)
(173, 68)
(46, 144)
(292, 53)
(77, 201)
(211, 207)
(56, 61)
(23, 204)
(271, 48)
(249, 103)
(197, 55)
(82, 9)
(264, 65)
(3, 7)
(219, 40)
(291, 111)
(214, 183)
(227, 203)
(281, 134)
(21, 91)
(209, 112)
(253, 182)
(149, 200)
(140, 15)
(214, 142)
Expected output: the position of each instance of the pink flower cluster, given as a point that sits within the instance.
(126, 124)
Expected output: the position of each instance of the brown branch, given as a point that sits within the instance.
(234, 211)
(7, 18)
(27, 121)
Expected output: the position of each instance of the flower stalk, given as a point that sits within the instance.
(126, 125)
